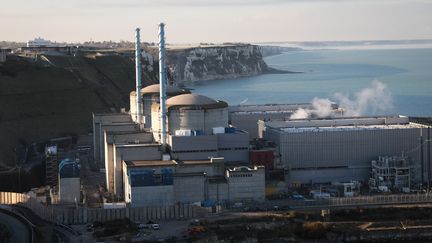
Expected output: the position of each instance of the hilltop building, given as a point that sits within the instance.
(39, 42)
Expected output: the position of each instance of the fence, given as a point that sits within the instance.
(382, 200)
(365, 201)
(84, 215)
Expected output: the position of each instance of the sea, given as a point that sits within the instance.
(404, 70)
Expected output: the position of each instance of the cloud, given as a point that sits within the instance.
(205, 3)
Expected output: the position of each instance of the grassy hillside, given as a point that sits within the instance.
(56, 95)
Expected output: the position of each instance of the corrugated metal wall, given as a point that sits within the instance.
(344, 148)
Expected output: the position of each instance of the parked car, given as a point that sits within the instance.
(155, 226)
(143, 226)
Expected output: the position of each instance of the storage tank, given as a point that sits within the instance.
(191, 112)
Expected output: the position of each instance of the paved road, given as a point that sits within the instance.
(20, 231)
(64, 234)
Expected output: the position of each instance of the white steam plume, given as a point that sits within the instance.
(373, 99)
(320, 108)
(300, 113)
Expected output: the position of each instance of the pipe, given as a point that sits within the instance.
(138, 76)
(421, 157)
(429, 155)
(162, 82)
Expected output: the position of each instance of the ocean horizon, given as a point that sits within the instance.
(406, 74)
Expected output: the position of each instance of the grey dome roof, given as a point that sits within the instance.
(170, 90)
(194, 100)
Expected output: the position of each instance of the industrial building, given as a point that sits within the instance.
(246, 117)
(166, 182)
(173, 147)
(340, 149)
(197, 128)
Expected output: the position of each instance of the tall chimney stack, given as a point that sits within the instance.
(162, 82)
(138, 76)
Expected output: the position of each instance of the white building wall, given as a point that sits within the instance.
(109, 167)
(132, 105)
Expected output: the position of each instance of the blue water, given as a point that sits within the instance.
(407, 74)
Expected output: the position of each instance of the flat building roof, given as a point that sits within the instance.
(138, 145)
(348, 128)
(195, 162)
(341, 123)
(150, 163)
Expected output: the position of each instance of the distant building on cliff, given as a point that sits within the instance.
(39, 42)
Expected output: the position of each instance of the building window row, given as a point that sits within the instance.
(241, 175)
(237, 148)
(194, 151)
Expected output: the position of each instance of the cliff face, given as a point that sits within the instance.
(215, 62)
(219, 63)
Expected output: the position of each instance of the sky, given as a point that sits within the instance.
(195, 21)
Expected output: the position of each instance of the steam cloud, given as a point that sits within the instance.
(373, 99)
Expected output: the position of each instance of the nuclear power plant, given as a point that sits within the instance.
(175, 146)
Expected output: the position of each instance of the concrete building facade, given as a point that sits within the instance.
(168, 182)
(130, 152)
(246, 184)
(120, 137)
(109, 122)
(148, 182)
(233, 147)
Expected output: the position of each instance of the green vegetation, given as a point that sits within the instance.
(114, 227)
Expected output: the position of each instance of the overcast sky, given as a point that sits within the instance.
(193, 21)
